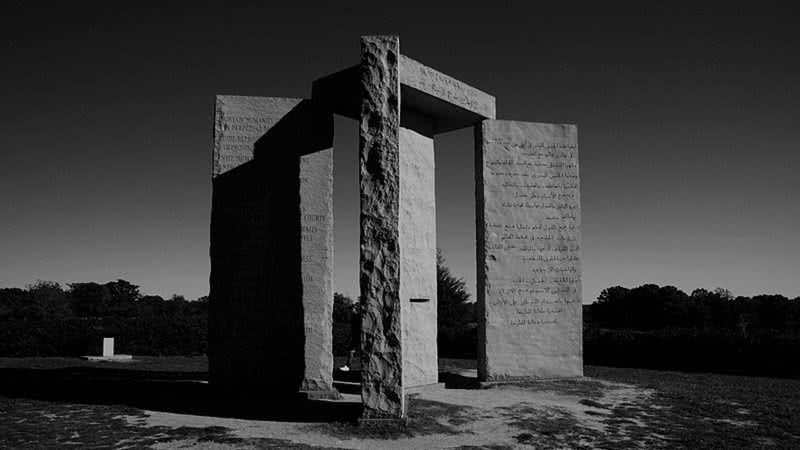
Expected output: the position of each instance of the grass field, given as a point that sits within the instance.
(164, 403)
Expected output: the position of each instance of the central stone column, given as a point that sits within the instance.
(382, 390)
(418, 249)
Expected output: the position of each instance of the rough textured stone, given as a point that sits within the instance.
(418, 258)
(529, 251)
(447, 103)
(271, 246)
(381, 336)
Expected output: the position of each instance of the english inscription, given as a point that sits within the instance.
(239, 123)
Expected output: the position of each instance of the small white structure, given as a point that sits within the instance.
(108, 346)
(108, 353)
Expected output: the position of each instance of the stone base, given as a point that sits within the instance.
(424, 387)
(522, 380)
(332, 394)
(114, 358)
(383, 423)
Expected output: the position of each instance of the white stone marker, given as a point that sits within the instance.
(108, 346)
(108, 353)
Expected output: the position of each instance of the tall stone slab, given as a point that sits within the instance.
(418, 250)
(382, 390)
(529, 251)
(271, 247)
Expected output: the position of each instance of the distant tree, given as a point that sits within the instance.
(674, 308)
(89, 299)
(773, 311)
(123, 296)
(613, 294)
(48, 301)
(648, 306)
(343, 308)
(723, 293)
(452, 296)
(115, 298)
(346, 324)
(122, 291)
(13, 303)
(151, 301)
(717, 309)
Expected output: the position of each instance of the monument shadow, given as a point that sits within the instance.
(257, 322)
(256, 309)
(166, 391)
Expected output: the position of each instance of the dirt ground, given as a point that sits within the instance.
(609, 408)
(555, 415)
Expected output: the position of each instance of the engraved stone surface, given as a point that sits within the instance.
(418, 258)
(451, 104)
(382, 391)
(447, 103)
(239, 122)
(529, 251)
(271, 246)
(316, 221)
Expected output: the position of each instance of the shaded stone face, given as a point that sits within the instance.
(529, 251)
(239, 121)
(271, 246)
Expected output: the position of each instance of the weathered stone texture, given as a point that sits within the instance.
(381, 337)
(418, 258)
(271, 246)
(529, 251)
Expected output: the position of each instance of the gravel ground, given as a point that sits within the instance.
(48, 402)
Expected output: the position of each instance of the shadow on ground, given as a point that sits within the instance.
(167, 391)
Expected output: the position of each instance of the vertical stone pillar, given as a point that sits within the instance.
(271, 296)
(316, 224)
(529, 251)
(382, 390)
(418, 250)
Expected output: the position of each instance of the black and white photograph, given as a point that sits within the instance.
(409, 225)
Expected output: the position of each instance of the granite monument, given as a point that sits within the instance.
(271, 247)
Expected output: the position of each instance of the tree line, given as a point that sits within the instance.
(647, 326)
(662, 327)
(650, 306)
(46, 319)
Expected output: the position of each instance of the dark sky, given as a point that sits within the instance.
(688, 121)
